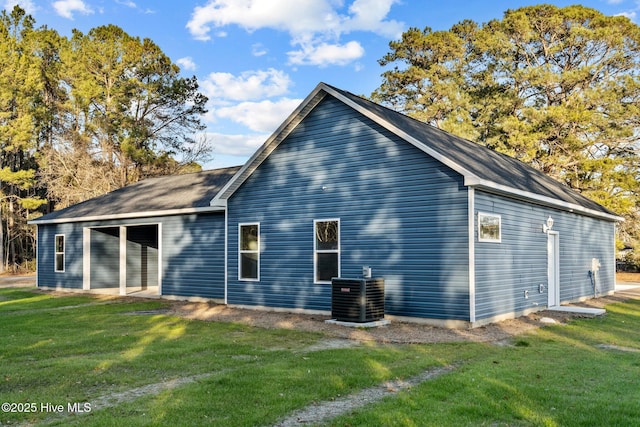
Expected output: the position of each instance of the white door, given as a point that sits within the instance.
(553, 268)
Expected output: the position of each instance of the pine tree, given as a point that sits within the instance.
(20, 85)
(558, 88)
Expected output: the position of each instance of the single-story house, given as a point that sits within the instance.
(461, 234)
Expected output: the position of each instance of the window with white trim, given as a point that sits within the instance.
(249, 251)
(489, 228)
(326, 250)
(59, 253)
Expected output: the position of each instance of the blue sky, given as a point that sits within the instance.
(257, 59)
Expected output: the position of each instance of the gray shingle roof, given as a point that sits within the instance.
(174, 192)
(488, 165)
(481, 167)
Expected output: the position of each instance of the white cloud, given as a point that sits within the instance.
(325, 54)
(236, 145)
(294, 16)
(258, 49)
(631, 15)
(26, 5)
(369, 15)
(66, 8)
(247, 86)
(314, 25)
(186, 63)
(264, 116)
(127, 3)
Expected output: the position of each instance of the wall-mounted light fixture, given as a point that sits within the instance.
(547, 227)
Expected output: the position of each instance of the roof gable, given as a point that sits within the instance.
(149, 197)
(481, 167)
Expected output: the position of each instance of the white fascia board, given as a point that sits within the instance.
(130, 215)
(402, 134)
(296, 117)
(218, 203)
(269, 145)
(492, 187)
(470, 179)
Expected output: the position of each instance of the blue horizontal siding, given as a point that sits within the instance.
(401, 212)
(504, 271)
(105, 258)
(581, 239)
(192, 255)
(72, 276)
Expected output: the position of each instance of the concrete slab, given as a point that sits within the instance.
(382, 322)
(626, 286)
(587, 311)
(17, 281)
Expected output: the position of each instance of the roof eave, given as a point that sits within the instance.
(130, 215)
(270, 144)
(470, 179)
(492, 187)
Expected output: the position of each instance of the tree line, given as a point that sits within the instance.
(557, 88)
(82, 116)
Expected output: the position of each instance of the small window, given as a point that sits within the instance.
(59, 252)
(489, 228)
(249, 254)
(326, 250)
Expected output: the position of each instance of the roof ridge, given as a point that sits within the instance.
(173, 175)
(162, 195)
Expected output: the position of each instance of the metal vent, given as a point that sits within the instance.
(357, 300)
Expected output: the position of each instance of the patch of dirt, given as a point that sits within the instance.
(114, 399)
(149, 312)
(323, 411)
(618, 348)
(395, 332)
(330, 344)
(628, 277)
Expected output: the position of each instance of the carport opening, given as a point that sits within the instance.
(142, 257)
(141, 254)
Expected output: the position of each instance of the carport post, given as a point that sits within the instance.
(86, 258)
(123, 260)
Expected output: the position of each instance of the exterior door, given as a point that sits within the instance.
(553, 268)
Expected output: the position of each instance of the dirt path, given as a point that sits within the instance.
(325, 411)
(114, 399)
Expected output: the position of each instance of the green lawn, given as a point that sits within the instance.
(112, 354)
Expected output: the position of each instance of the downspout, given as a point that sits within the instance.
(615, 261)
(472, 255)
(37, 254)
(226, 249)
(160, 262)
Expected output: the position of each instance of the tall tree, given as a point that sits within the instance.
(20, 85)
(83, 116)
(558, 88)
(129, 115)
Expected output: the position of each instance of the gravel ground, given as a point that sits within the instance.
(395, 332)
